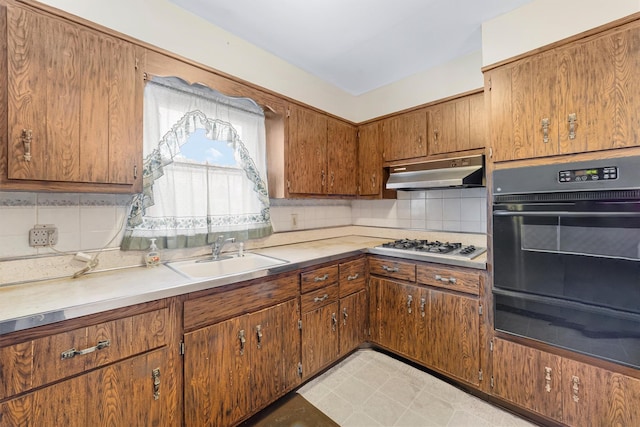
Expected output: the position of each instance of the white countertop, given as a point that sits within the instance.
(33, 304)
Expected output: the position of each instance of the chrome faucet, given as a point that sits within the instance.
(217, 246)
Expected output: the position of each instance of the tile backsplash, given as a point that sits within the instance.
(90, 221)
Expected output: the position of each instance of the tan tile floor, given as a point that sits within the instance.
(370, 389)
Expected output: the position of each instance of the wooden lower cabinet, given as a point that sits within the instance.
(128, 393)
(352, 322)
(320, 345)
(571, 392)
(237, 366)
(454, 335)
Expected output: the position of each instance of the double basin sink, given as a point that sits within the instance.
(225, 266)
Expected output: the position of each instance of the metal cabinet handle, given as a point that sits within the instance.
(451, 280)
(423, 302)
(354, 277)
(259, 335)
(547, 379)
(409, 301)
(155, 375)
(344, 316)
(373, 181)
(435, 136)
(545, 130)
(321, 278)
(243, 340)
(333, 179)
(334, 322)
(572, 125)
(420, 141)
(26, 136)
(71, 353)
(323, 175)
(322, 298)
(575, 388)
(390, 269)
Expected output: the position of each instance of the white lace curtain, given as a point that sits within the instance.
(204, 168)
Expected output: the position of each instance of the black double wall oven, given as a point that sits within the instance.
(566, 254)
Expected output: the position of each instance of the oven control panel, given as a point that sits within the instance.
(593, 174)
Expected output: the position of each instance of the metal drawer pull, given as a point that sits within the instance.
(26, 137)
(446, 279)
(409, 301)
(547, 379)
(390, 269)
(71, 353)
(344, 316)
(545, 131)
(322, 298)
(243, 340)
(155, 375)
(334, 322)
(575, 387)
(321, 278)
(354, 277)
(259, 335)
(572, 125)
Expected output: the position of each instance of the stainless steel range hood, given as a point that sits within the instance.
(457, 172)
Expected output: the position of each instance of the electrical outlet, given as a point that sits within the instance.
(42, 235)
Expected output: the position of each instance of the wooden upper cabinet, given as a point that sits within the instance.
(574, 98)
(342, 156)
(322, 154)
(405, 136)
(74, 106)
(370, 159)
(442, 126)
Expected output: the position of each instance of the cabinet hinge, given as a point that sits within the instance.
(491, 345)
(490, 83)
(145, 76)
(480, 310)
(300, 368)
(300, 324)
(490, 152)
(135, 171)
(137, 62)
(288, 112)
(181, 349)
(480, 375)
(289, 184)
(491, 382)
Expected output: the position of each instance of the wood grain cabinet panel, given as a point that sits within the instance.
(405, 136)
(97, 137)
(321, 154)
(467, 281)
(370, 171)
(353, 276)
(571, 99)
(236, 367)
(319, 278)
(352, 321)
(320, 342)
(393, 268)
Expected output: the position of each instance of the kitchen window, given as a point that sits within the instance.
(204, 168)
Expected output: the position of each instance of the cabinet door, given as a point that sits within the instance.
(307, 154)
(268, 344)
(405, 136)
(477, 123)
(97, 136)
(402, 325)
(370, 159)
(442, 126)
(455, 335)
(597, 397)
(353, 321)
(342, 155)
(544, 123)
(216, 374)
(527, 377)
(614, 66)
(319, 338)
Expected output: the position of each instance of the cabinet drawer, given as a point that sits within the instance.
(44, 360)
(448, 278)
(352, 277)
(319, 298)
(392, 268)
(210, 309)
(319, 278)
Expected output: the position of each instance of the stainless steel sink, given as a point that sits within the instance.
(227, 266)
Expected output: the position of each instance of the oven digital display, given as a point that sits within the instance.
(594, 174)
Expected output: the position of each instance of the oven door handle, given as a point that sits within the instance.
(568, 214)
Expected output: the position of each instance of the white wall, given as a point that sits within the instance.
(545, 21)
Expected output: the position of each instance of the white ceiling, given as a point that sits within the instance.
(357, 45)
